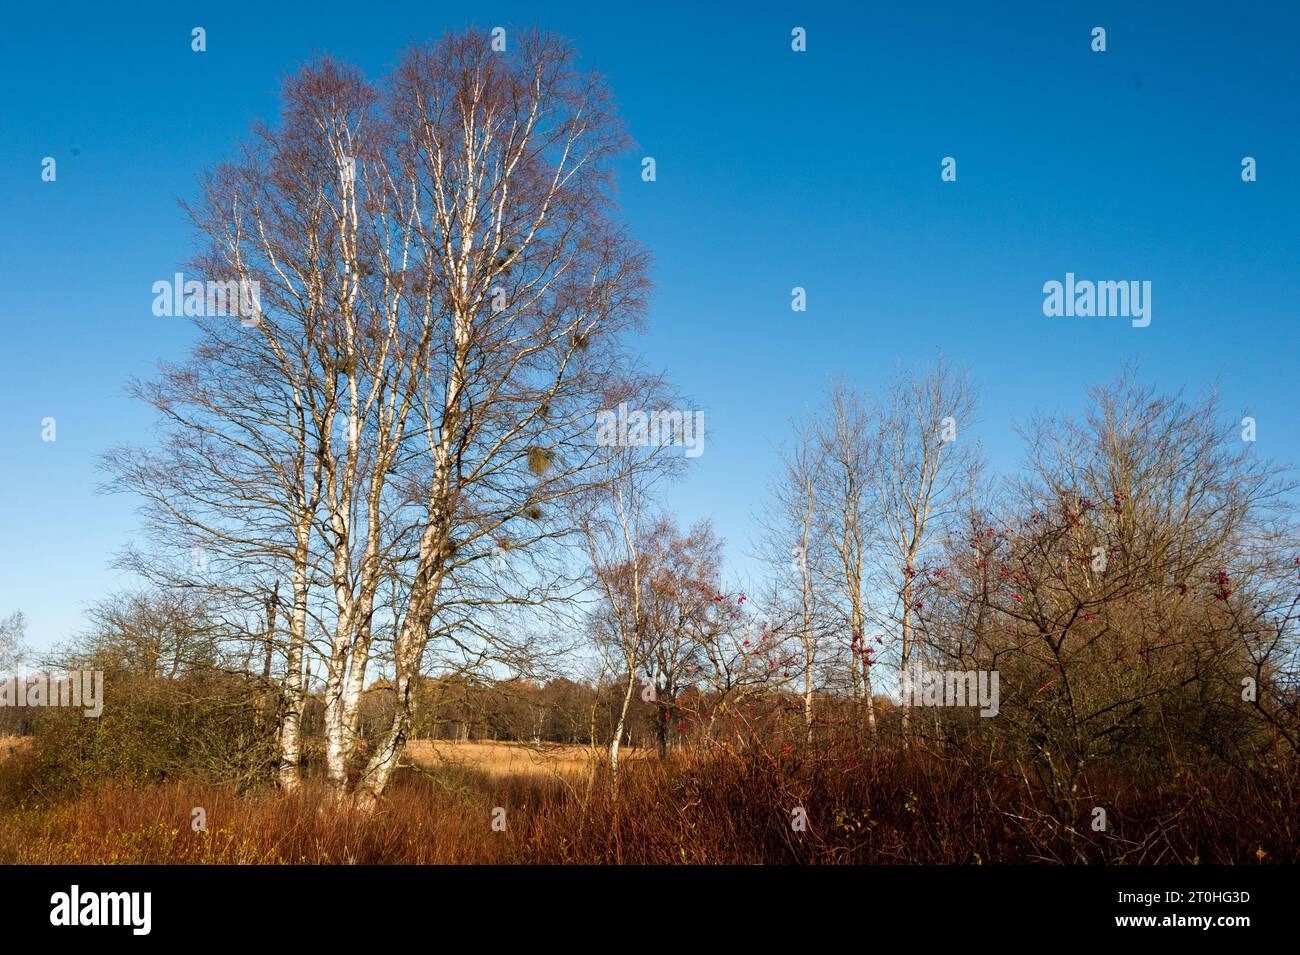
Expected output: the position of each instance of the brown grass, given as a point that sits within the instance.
(9, 745)
(499, 759)
(886, 807)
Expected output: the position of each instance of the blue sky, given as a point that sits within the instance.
(775, 169)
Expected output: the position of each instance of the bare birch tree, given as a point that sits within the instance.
(845, 507)
(507, 158)
(923, 468)
(614, 535)
(794, 542)
(443, 294)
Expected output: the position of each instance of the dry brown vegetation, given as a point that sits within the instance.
(497, 759)
(881, 807)
(13, 744)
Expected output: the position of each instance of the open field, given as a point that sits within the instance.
(499, 759)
